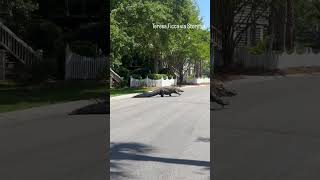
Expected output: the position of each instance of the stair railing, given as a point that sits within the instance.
(17, 47)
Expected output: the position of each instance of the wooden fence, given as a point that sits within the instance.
(84, 68)
(152, 83)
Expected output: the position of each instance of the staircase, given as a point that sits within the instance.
(17, 51)
(114, 78)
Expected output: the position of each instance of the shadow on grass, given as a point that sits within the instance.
(124, 91)
(137, 152)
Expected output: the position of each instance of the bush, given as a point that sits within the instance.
(166, 71)
(44, 35)
(143, 72)
(157, 76)
(136, 76)
(84, 48)
(122, 72)
(259, 49)
(124, 83)
(37, 72)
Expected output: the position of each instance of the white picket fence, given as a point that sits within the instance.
(83, 68)
(147, 82)
(198, 81)
(264, 61)
(273, 60)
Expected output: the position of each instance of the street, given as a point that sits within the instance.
(161, 138)
(46, 143)
(271, 130)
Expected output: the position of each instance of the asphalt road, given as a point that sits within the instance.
(161, 138)
(48, 144)
(270, 132)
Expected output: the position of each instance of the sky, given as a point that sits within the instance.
(204, 6)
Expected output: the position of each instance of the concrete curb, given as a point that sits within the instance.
(128, 96)
(254, 79)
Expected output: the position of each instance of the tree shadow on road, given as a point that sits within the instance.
(137, 152)
(157, 96)
(203, 139)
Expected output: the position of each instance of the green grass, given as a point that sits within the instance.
(16, 97)
(124, 91)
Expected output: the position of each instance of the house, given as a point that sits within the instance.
(257, 30)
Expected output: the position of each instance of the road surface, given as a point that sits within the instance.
(161, 138)
(48, 144)
(270, 132)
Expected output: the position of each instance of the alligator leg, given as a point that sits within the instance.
(161, 93)
(217, 100)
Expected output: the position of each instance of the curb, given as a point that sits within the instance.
(127, 96)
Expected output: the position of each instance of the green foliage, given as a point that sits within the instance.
(44, 35)
(136, 76)
(84, 48)
(20, 11)
(259, 49)
(143, 72)
(37, 72)
(133, 37)
(157, 76)
(124, 83)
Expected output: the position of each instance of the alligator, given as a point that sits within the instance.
(218, 90)
(162, 91)
(216, 99)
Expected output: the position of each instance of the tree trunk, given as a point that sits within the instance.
(228, 54)
(290, 26)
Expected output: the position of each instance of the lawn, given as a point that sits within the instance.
(124, 91)
(16, 97)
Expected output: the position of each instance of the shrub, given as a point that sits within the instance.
(164, 76)
(44, 35)
(157, 76)
(84, 48)
(123, 72)
(166, 71)
(124, 83)
(143, 72)
(37, 72)
(259, 49)
(136, 76)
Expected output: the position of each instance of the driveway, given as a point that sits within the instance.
(161, 138)
(271, 131)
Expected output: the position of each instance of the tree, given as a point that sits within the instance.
(20, 12)
(134, 40)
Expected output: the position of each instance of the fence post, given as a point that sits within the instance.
(130, 81)
(147, 81)
(161, 82)
(2, 64)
